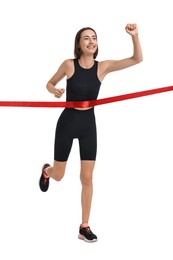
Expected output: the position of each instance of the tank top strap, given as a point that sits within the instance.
(76, 65)
(95, 65)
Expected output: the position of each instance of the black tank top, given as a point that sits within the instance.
(84, 84)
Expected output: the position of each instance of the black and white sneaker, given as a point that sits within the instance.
(86, 234)
(44, 182)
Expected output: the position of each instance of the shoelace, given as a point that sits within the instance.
(45, 180)
(88, 230)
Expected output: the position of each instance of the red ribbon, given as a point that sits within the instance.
(84, 104)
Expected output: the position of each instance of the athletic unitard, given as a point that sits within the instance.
(84, 85)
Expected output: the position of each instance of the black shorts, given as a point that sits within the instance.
(78, 124)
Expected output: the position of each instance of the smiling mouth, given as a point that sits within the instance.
(91, 46)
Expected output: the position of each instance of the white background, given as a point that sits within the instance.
(132, 204)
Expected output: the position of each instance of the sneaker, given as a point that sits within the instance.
(86, 234)
(44, 182)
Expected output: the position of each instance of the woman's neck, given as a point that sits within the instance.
(86, 62)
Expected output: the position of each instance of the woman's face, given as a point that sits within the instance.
(88, 42)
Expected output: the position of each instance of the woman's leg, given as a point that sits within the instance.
(57, 171)
(86, 175)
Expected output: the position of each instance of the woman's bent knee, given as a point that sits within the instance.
(59, 170)
(58, 177)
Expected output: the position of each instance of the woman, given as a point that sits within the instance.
(84, 76)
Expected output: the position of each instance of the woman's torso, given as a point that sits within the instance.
(83, 84)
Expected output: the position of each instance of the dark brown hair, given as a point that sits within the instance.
(77, 50)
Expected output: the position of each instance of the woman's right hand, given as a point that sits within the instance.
(59, 92)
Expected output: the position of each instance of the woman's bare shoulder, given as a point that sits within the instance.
(68, 62)
(69, 67)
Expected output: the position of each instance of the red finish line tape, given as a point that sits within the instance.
(85, 104)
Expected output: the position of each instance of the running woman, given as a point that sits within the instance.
(84, 75)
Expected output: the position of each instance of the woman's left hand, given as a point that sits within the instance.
(132, 29)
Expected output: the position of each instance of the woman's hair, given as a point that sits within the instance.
(77, 50)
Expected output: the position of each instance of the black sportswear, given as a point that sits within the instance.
(84, 84)
(78, 124)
